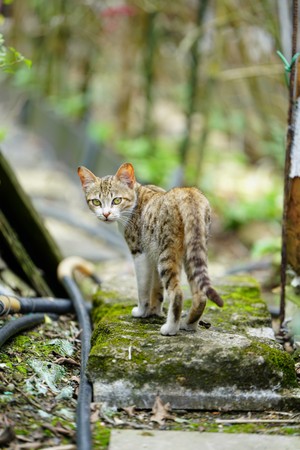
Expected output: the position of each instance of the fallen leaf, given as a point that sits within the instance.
(76, 379)
(118, 421)
(141, 417)
(95, 409)
(130, 410)
(161, 411)
(64, 360)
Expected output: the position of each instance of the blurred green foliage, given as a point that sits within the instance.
(10, 57)
(190, 92)
(238, 213)
(156, 160)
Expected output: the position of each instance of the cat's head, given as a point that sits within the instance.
(111, 198)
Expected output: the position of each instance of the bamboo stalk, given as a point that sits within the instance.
(192, 86)
(150, 35)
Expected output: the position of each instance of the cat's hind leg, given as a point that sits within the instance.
(157, 296)
(191, 321)
(170, 277)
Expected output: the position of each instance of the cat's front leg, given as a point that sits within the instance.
(143, 272)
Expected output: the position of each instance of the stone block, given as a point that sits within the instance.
(235, 364)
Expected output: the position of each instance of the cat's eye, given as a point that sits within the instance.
(96, 202)
(117, 200)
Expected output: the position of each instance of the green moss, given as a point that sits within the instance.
(124, 341)
(278, 364)
(288, 431)
(101, 436)
(101, 299)
(243, 307)
(127, 348)
(22, 369)
(22, 341)
(22, 431)
(64, 422)
(131, 350)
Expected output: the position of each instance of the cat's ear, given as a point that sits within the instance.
(125, 174)
(86, 176)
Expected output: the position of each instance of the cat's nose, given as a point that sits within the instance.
(106, 214)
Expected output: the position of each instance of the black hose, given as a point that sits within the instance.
(12, 304)
(20, 304)
(23, 323)
(83, 435)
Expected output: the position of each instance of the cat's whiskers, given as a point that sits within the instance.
(125, 220)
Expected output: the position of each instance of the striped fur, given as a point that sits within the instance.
(165, 231)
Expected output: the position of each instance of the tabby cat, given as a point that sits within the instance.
(163, 230)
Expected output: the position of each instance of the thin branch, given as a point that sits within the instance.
(275, 421)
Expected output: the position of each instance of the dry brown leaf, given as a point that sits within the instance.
(118, 421)
(76, 379)
(161, 411)
(141, 417)
(95, 412)
(64, 360)
(130, 410)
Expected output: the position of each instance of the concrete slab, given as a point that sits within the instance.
(178, 440)
(233, 365)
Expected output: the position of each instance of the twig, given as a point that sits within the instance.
(61, 447)
(138, 426)
(64, 360)
(58, 430)
(257, 421)
(124, 423)
(31, 401)
(107, 419)
(29, 445)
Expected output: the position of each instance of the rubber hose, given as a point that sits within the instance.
(83, 435)
(47, 305)
(22, 305)
(23, 323)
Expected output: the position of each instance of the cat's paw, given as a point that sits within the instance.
(188, 326)
(169, 330)
(156, 311)
(137, 312)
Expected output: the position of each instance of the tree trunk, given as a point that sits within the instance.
(293, 200)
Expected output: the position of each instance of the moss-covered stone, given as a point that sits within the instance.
(243, 306)
(132, 351)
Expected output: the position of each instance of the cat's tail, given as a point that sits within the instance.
(212, 294)
(196, 229)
